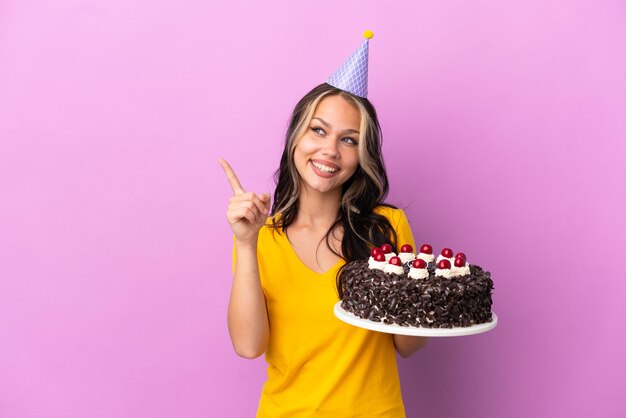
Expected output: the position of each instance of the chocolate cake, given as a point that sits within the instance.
(415, 290)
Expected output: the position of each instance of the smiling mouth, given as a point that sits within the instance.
(324, 168)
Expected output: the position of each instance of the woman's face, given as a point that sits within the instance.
(326, 154)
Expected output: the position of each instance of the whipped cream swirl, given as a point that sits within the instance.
(441, 257)
(447, 273)
(376, 265)
(391, 268)
(428, 258)
(388, 256)
(460, 271)
(418, 273)
(406, 257)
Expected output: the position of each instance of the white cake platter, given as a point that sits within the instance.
(350, 318)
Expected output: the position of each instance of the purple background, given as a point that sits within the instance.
(504, 137)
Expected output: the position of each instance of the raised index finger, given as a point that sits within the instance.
(232, 177)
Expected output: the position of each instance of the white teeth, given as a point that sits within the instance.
(324, 168)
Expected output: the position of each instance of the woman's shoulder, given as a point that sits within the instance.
(389, 211)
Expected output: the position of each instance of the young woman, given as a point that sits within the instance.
(328, 210)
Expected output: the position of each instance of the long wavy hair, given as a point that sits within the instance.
(366, 189)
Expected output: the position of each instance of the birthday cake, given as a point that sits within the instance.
(416, 289)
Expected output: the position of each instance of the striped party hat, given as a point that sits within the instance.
(352, 75)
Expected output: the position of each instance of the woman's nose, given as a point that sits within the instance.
(331, 147)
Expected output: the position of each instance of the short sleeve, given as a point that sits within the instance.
(403, 229)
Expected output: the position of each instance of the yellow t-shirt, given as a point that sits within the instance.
(319, 366)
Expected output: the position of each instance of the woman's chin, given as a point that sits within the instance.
(322, 188)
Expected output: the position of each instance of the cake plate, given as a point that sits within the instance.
(350, 318)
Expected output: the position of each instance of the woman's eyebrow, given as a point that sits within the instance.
(347, 131)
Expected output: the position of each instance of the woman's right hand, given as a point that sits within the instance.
(247, 212)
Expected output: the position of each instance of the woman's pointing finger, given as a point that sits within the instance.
(232, 177)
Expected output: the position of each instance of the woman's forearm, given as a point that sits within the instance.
(248, 324)
(407, 345)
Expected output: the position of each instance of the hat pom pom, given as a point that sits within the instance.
(368, 34)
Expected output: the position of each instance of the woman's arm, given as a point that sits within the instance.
(247, 314)
(248, 324)
(407, 345)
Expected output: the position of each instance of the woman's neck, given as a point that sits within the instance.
(318, 209)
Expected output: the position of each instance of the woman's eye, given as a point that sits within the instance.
(319, 131)
(350, 141)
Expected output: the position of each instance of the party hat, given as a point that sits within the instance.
(352, 75)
